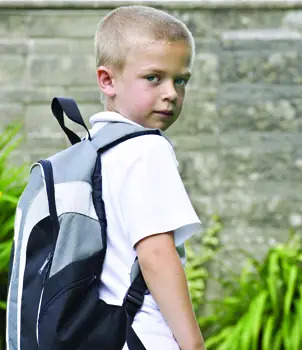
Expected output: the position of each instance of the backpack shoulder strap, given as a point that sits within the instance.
(109, 136)
(133, 301)
(116, 132)
(61, 105)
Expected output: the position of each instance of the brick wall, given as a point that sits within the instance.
(239, 138)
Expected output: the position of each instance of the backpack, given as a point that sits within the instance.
(59, 248)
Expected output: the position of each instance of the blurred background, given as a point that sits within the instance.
(238, 142)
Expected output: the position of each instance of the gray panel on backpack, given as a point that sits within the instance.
(79, 238)
(80, 159)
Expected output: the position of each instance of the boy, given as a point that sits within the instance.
(144, 58)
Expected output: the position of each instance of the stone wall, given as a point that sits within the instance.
(239, 140)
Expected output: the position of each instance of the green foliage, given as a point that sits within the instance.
(262, 306)
(197, 265)
(12, 181)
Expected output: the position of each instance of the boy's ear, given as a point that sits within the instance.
(106, 81)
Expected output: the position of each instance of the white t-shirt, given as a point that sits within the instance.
(143, 195)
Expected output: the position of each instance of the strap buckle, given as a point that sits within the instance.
(133, 301)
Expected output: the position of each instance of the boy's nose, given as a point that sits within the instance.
(169, 91)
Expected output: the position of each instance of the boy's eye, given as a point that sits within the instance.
(181, 81)
(153, 78)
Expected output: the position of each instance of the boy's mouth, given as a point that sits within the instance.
(165, 113)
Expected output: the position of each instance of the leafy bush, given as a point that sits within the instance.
(12, 181)
(262, 306)
(197, 264)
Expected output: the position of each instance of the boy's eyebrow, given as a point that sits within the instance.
(186, 74)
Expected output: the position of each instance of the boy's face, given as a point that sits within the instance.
(151, 89)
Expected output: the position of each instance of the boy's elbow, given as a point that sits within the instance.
(155, 251)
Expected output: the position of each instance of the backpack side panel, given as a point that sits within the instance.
(26, 201)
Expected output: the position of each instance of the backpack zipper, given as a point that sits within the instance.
(72, 285)
(37, 321)
(46, 263)
(45, 268)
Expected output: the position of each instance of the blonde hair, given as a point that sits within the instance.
(131, 25)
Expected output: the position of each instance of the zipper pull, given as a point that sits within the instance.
(45, 264)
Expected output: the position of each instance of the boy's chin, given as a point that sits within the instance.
(165, 127)
(167, 124)
(162, 126)
(162, 123)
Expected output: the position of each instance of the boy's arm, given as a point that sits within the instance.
(164, 275)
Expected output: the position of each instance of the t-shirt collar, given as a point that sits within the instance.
(108, 116)
(99, 120)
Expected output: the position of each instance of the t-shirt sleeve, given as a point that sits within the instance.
(154, 199)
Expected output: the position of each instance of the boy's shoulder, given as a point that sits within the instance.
(106, 123)
(153, 142)
(142, 150)
(148, 145)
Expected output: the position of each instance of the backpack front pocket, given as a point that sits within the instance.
(72, 288)
(68, 304)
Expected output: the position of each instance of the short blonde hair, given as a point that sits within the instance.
(129, 25)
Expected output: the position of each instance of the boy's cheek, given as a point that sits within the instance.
(181, 100)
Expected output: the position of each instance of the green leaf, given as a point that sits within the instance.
(8, 198)
(2, 305)
(267, 338)
(196, 274)
(5, 249)
(196, 269)
(242, 334)
(299, 307)
(258, 308)
(296, 334)
(272, 283)
(277, 341)
(6, 227)
(292, 278)
(214, 341)
(9, 133)
(285, 328)
(233, 341)
(8, 150)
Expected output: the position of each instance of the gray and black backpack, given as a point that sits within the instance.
(59, 249)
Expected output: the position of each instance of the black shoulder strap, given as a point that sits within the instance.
(50, 190)
(116, 132)
(134, 297)
(68, 105)
(128, 137)
(133, 301)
